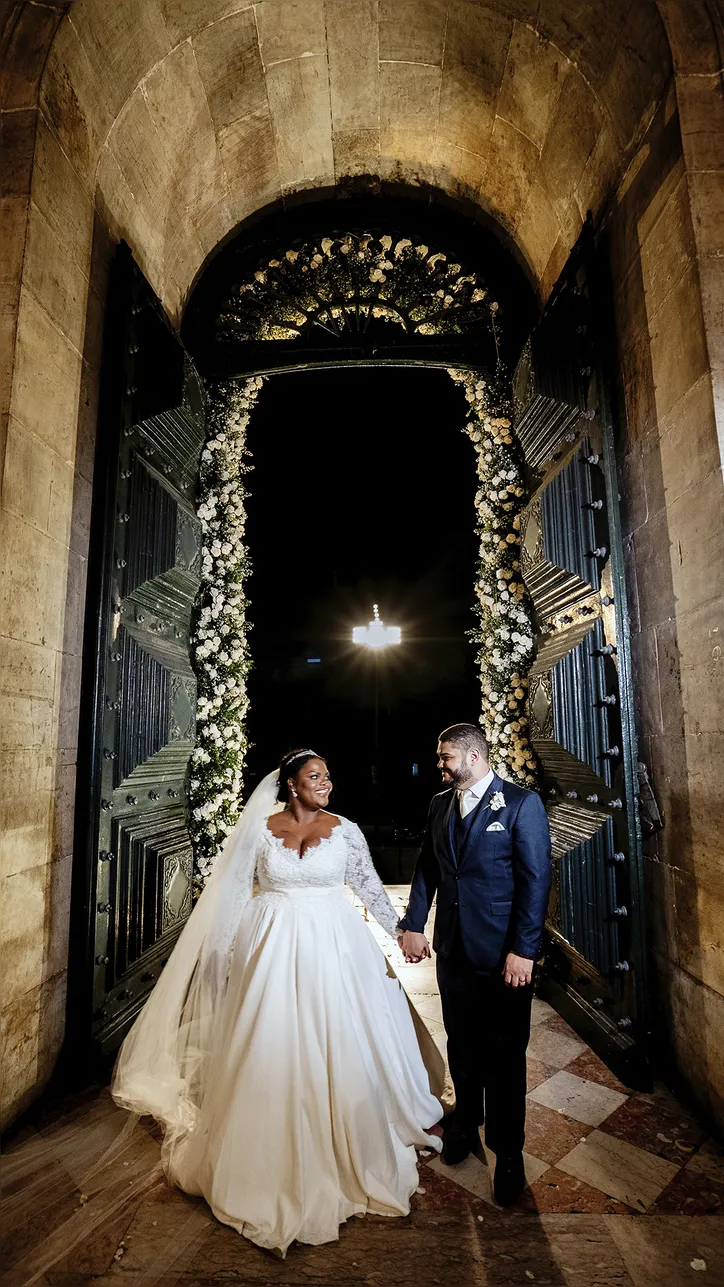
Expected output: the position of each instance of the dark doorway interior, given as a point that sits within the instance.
(362, 492)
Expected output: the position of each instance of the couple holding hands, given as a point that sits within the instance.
(280, 1055)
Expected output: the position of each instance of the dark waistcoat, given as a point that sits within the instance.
(461, 828)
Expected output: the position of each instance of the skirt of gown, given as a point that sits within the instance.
(316, 1095)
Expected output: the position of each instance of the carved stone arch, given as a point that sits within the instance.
(695, 31)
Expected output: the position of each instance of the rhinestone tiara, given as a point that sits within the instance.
(299, 755)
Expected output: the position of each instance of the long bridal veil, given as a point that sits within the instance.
(160, 1069)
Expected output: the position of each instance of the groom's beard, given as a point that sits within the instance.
(456, 778)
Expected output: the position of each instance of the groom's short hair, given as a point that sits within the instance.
(469, 737)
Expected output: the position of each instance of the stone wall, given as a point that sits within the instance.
(673, 513)
(44, 525)
(44, 486)
(216, 108)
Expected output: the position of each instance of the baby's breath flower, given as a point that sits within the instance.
(504, 634)
(219, 647)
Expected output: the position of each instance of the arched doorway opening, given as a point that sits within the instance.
(363, 491)
(564, 432)
(330, 301)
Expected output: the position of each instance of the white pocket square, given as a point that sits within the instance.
(495, 826)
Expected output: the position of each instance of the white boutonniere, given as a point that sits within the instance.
(497, 801)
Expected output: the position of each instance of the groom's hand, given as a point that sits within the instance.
(517, 971)
(415, 947)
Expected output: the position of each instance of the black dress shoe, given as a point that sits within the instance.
(509, 1181)
(457, 1143)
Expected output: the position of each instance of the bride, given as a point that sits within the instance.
(276, 1051)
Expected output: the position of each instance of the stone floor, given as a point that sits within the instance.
(624, 1188)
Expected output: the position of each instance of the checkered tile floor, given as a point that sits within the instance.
(592, 1145)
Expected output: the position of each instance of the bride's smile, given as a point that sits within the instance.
(311, 787)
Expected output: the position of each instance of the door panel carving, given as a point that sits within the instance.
(134, 891)
(580, 704)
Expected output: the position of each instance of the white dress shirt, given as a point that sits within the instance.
(470, 798)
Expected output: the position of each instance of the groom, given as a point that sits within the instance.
(486, 853)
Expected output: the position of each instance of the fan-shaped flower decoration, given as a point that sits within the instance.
(344, 282)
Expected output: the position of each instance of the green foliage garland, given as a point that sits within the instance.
(505, 632)
(220, 651)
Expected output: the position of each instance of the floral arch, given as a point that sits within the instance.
(340, 285)
(345, 282)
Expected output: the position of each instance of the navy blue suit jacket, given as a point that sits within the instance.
(495, 891)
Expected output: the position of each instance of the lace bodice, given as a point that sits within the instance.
(342, 858)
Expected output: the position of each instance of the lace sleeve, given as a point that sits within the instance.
(361, 876)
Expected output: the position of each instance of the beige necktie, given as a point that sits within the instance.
(467, 802)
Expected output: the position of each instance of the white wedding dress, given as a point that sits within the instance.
(313, 1095)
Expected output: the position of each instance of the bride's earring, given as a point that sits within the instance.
(295, 793)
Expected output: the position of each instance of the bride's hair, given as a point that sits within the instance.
(291, 764)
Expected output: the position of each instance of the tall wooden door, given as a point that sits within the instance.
(580, 696)
(133, 868)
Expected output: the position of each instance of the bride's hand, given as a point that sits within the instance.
(415, 947)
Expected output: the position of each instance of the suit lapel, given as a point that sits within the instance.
(480, 818)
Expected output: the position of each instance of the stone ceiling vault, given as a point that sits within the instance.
(181, 118)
